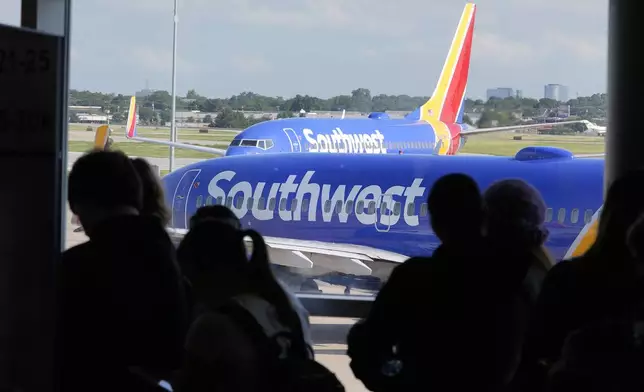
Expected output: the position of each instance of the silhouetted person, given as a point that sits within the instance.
(153, 198)
(602, 284)
(225, 215)
(120, 296)
(608, 356)
(220, 356)
(426, 315)
(520, 261)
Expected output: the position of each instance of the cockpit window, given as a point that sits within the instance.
(264, 144)
(249, 142)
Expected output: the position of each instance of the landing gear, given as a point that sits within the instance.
(309, 285)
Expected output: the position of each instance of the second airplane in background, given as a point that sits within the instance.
(436, 127)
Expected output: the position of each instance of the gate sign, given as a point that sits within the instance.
(30, 72)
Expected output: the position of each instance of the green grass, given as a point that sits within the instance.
(503, 144)
(142, 150)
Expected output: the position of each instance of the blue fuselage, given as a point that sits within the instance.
(373, 200)
(345, 136)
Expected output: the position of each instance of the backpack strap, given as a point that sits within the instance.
(250, 326)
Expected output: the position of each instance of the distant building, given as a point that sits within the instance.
(557, 92)
(519, 94)
(500, 92)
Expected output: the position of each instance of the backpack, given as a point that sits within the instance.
(289, 373)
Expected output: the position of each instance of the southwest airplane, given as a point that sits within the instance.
(436, 127)
(348, 217)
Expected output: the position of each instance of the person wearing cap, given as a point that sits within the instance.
(515, 234)
(601, 284)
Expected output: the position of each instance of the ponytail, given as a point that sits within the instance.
(270, 290)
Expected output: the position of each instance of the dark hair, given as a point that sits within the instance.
(215, 212)
(153, 197)
(623, 205)
(195, 257)
(104, 179)
(455, 204)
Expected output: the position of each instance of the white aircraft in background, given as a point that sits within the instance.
(594, 128)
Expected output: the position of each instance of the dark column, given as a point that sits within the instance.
(625, 135)
(33, 155)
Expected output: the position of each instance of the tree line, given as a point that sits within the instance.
(155, 108)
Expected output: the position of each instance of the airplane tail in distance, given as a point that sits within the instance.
(101, 137)
(448, 100)
(130, 128)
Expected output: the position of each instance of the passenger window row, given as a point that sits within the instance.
(327, 208)
(398, 145)
(371, 207)
(573, 217)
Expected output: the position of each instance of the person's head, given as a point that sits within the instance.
(623, 205)
(455, 208)
(213, 257)
(516, 210)
(215, 213)
(153, 198)
(102, 184)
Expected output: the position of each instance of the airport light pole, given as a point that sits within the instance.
(173, 124)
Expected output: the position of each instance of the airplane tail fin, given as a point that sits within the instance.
(130, 128)
(101, 137)
(447, 102)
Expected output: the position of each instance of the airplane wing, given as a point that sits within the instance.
(598, 155)
(211, 150)
(309, 255)
(476, 131)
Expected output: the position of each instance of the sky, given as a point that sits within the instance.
(331, 47)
